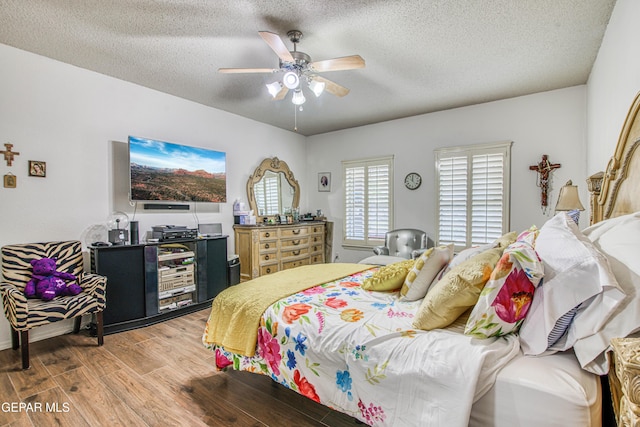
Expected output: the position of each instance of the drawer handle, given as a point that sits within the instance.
(296, 242)
(296, 231)
(268, 270)
(296, 252)
(266, 246)
(267, 235)
(266, 257)
(315, 239)
(315, 229)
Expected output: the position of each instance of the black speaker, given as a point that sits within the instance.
(133, 230)
(169, 206)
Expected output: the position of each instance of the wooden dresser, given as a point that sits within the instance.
(265, 249)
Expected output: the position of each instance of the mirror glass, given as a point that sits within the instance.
(272, 189)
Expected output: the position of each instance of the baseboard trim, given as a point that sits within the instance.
(47, 331)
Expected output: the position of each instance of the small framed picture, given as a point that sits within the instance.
(10, 181)
(324, 181)
(37, 168)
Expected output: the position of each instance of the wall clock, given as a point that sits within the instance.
(412, 180)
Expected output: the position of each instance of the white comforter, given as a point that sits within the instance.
(357, 352)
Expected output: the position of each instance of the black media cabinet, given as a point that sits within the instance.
(145, 282)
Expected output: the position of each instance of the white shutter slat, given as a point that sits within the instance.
(472, 199)
(452, 199)
(368, 200)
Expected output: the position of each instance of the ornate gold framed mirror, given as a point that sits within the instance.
(272, 189)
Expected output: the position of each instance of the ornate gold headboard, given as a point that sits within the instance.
(616, 191)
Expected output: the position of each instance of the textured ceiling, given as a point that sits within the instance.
(421, 55)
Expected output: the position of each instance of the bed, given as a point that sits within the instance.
(442, 345)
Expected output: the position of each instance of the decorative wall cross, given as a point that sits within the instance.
(8, 154)
(544, 169)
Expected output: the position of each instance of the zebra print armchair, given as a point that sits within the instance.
(25, 314)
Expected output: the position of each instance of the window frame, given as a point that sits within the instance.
(468, 151)
(367, 242)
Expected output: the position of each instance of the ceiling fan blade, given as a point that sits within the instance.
(337, 64)
(280, 95)
(246, 70)
(332, 87)
(275, 42)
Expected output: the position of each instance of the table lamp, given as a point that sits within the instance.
(569, 200)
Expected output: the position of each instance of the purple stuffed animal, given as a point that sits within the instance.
(47, 283)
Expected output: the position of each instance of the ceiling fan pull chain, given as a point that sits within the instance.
(295, 118)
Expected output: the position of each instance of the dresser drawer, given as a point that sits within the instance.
(296, 263)
(302, 242)
(267, 257)
(268, 246)
(316, 238)
(268, 235)
(317, 259)
(294, 232)
(294, 252)
(268, 269)
(317, 248)
(316, 229)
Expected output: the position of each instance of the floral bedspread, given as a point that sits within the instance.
(356, 351)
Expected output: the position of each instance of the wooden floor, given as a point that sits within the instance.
(160, 375)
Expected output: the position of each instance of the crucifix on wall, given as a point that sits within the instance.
(544, 169)
(8, 154)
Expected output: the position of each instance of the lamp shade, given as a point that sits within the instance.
(568, 199)
(298, 98)
(316, 87)
(274, 88)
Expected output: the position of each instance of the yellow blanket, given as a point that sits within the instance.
(236, 311)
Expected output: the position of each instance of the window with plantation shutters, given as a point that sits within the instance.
(368, 201)
(472, 193)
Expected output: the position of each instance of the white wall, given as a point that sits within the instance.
(613, 83)
(551, 123)
(72, 119)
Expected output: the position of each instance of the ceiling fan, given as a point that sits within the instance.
(298, 69)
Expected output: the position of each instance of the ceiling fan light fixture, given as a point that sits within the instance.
(274, 88)
(298, 97)
(316, 87)
(291, 80)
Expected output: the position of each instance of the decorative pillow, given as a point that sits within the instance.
(505, 299)
(426, 267)
(617, 239)
(388, 278)
(457, 291)
(505, 240)
(381, 260)
(576, 276)
(529, 236)
(465, 254)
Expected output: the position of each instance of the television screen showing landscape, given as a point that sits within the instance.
(173, 172)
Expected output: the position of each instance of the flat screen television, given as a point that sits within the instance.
(164, 171)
